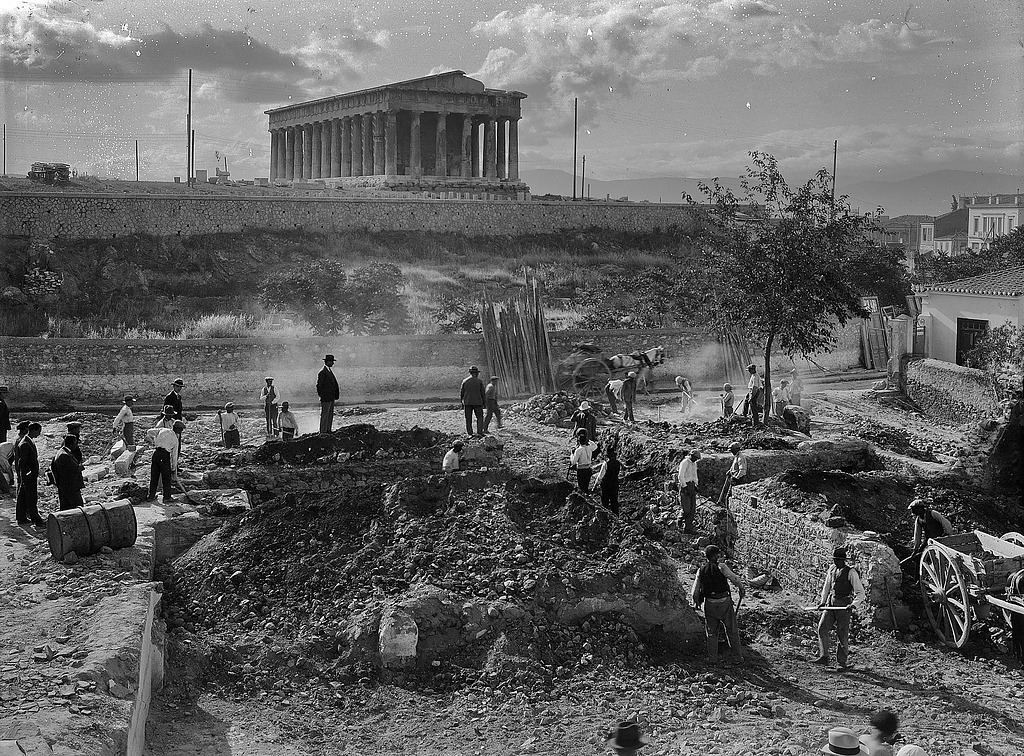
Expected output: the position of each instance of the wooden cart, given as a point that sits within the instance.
(964, 576)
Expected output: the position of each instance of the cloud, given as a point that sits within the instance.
(44, 44)
(607, 48)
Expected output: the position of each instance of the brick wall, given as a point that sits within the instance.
(104, 216)
(949, 392)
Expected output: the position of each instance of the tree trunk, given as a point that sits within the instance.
(768, 375)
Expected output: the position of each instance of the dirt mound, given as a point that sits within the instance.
(520, 580)
(556, 408)
(351, 442)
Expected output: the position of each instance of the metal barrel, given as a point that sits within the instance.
(86, 530)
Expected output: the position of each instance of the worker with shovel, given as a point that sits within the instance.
(841, 590)
(711, 588)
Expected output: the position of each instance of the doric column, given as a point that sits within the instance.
(391, 143)
(307, 150)
(513, 149)
(357, 145)
(335, 147)
(475, 154)
(367, 144)
(346, 146)
(289, 153)
(489, 151)
(325, 149)
(282, 156)
(274, 144)
(467, 146)
(415, 145)
(300, 137)
(500, 151)
(316, 158)
(441, 146)
(378, 143)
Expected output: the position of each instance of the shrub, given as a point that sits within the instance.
(222, 327)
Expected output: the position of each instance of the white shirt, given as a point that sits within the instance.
(124, 416)
(228, 421)
(287, 420)
(450, 463)
(582, 457)
(687, 471)
(754, 382)
(165, 438)
(739, 466)
(785, 394)
(830, 576)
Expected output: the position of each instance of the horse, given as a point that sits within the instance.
(641, 362)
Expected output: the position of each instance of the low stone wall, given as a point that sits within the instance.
(795, 547)
(105, 216)
(950, 392)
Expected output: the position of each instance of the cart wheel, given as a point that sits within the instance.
(945, 597)
(1013, 537)
(590, 377)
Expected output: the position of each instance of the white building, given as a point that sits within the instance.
(956, 314)
(991, 216)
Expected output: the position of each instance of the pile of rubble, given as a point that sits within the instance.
(555, 409)
(491, 577)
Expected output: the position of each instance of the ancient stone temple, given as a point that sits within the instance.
(445, 135)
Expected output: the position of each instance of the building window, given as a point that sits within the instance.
(977, 225)
(968, 334)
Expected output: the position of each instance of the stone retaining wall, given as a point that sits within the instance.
(950, 392)
(104, 216)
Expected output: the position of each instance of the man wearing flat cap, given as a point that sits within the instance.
(328, 391)
(472, 396)
(67, 475)
(173, 399)
(841, 590)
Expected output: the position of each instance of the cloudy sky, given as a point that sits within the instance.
(665, 88)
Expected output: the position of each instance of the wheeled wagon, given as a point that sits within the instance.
(965, 576)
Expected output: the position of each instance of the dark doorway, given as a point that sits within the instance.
(968, 334)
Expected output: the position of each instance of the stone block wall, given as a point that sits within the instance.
(949, 392)
(105, 216)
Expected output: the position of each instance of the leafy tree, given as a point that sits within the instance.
(779, 260)
(880, 271)
(646, 298)
(368, 301)
(1000, 354)
(454, 314)
(1002, 252)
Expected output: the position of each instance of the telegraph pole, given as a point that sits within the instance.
(583, 178)
(5, 151)
(835, 163)
(189, 151)
(575, 113)
(192, 159)
(136, 160)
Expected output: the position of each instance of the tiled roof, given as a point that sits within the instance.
(1008, 282)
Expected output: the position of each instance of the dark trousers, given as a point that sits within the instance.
(583, 476)
(160, 468)
(128, 432)
(232, 438)
(69, 498)
(610, 396)
(688, 505)
(840, 620)
(627, 413)
(27, 507)
(493, 411)
(610, 497)
(719, 613)
(472, 410)
(326, 416)
(287, 433)
(270, 413)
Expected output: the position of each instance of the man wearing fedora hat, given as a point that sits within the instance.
(842, 741)
(173, 399)
(472, 396)
(328, 391)
(841, 590)
(755, 395)
(626, 740)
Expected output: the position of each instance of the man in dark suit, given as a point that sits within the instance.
(328, 391)
(5, 414)
(67, 475)
(26, 460)
(173, 399)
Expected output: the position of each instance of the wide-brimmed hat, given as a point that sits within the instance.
(129, 398)
(627, 735)
(474, 369)
(751, 366)
(727, 387)
(631, 374)
(329, 358)
(584, 405)
(735, 446)
(842, 741)
(229, 405)
(168, 408)
(178, 382)
(840, 553)
(269, 378)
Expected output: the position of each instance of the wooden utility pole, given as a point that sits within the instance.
(189, 151)
(583, 178)
(136, 160)
(575, 113)
(835, 163)
(5, 151)
(193, 158)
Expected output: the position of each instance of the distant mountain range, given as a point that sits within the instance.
(929, 194)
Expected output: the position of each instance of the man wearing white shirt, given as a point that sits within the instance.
(165, 459)
(737, 472)
(755, 394)
(451, 460)
(582, 459)
(125, 422)
(687, 477)
(842, 589)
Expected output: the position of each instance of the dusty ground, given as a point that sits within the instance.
(779, 703)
